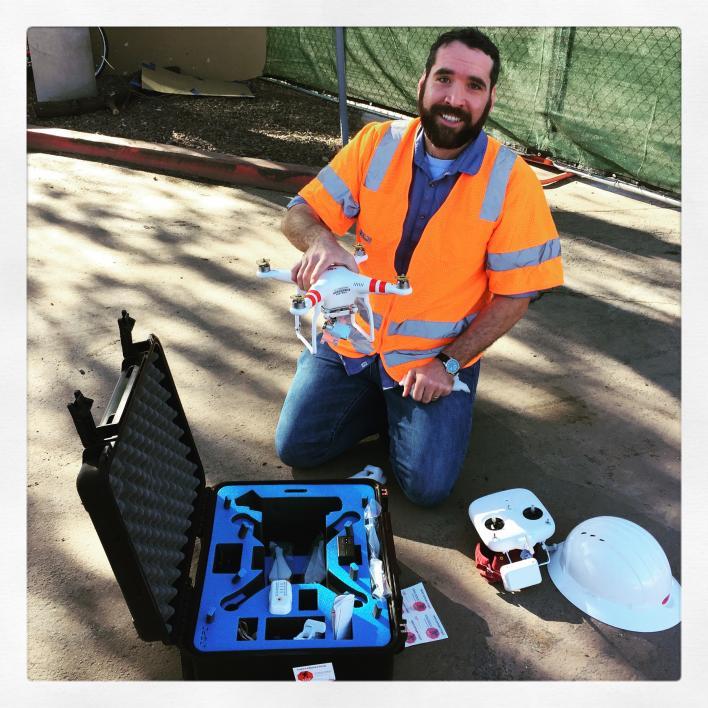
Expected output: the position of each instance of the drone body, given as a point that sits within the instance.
(334, 295)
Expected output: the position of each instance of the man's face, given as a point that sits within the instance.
(455, 98)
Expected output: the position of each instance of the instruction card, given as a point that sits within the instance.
(422, 622)
(314, 672)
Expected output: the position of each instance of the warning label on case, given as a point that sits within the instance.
(422, 622)
(314, 672)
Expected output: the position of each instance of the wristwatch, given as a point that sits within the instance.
(452, 366)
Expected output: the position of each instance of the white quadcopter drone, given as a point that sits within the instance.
(334, 295)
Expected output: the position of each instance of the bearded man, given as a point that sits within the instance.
(466, 220)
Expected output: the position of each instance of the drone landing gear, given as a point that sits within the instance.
(312, 344)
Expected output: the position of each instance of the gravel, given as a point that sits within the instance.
(278, 124)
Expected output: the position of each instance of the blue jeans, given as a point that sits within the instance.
(326, 412)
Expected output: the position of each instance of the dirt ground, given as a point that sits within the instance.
(278, 124)
(580, 403)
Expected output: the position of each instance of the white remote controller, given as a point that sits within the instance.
(280, 600)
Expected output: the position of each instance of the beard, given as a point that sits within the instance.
(446, 137)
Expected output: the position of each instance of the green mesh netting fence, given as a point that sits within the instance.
(607, 99)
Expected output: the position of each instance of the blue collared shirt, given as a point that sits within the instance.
(425, 196)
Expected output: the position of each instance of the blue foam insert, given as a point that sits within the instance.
(219, 591)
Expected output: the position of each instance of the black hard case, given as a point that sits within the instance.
(97, 495)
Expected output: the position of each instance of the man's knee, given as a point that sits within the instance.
(291, 455)
(427, 498)
(290, 448)
(293, 450)
(424, 487)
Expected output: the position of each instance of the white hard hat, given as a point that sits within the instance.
(618, 573)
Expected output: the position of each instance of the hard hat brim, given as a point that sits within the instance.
(635, 619)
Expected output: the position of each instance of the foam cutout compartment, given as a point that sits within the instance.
(293, 515)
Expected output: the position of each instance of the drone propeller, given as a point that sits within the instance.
(265, 271)
(359, 253)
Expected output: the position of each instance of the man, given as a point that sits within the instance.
(466, 220)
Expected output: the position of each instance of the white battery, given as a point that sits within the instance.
(520, 575)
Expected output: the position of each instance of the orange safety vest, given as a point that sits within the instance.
(493, 235)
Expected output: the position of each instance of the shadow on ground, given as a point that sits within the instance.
(180, 258)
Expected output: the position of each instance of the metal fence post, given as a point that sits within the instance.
(342, 82)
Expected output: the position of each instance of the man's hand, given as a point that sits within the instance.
(307, 232)
(324, 252)
(427, 383)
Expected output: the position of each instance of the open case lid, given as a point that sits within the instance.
(142, 483)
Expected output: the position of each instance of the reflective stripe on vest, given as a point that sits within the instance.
(384, 154)
(360, 343)
(496, 187)
(427, 329)
(338, 190)
(364, 314)
(406, 356)
(525, 257)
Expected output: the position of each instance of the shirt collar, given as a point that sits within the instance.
(468, 161)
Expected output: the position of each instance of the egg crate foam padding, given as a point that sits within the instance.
(154, 484)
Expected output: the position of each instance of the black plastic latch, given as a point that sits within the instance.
(180, 620)
(131, 350)
(80, 409)
(402, 633)
(125, 326)
(203, 511)
(384, 498)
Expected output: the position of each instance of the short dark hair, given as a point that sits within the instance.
(472, 38)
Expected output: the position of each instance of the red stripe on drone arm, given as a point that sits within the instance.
(372, 285)
(313, 296)
(381, 286)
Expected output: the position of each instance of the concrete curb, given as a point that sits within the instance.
(180, 162)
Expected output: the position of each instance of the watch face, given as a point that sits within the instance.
(452, 366)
